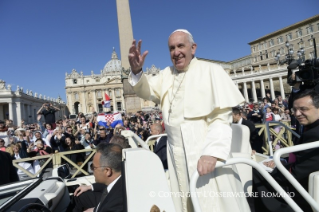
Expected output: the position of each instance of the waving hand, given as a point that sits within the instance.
(135, 57)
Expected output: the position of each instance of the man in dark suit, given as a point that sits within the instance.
(306, 109)
(8, 173)
(237, 118)
(106, 168)
(161, 143)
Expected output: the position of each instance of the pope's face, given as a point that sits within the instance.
(181, 50)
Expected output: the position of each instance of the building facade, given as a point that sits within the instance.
(21, 105)
(85, 93)
(260, 73)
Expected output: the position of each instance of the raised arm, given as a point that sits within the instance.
(135, 57)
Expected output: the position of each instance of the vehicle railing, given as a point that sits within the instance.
(150, 141)
(255, 165)
(270, 130)
(289, 177)
(56, 159)
(140, 141)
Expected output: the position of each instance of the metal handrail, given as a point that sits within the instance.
(252, 163)
(154, 136)
(268, 133)
(140, 141)
(289, 177)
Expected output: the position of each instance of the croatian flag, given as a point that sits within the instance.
(115, 119)
(106, 103)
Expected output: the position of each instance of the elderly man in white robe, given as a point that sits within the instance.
(196, 98)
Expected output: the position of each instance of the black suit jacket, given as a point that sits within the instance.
(8, 173)
(161, 150)
(251, 127)
(114, 200)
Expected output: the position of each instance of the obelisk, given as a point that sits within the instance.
(132, 102)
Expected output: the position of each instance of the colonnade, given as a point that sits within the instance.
(261, 82)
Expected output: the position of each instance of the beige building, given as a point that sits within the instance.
(260, 73)
(85, 93)
(23, 105)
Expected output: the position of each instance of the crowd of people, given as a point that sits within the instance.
(53, 136)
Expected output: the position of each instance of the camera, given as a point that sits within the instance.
(308, 71)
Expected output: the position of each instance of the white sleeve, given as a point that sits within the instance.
(136, 78)
(219, 135)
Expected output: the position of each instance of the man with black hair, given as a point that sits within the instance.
(237, 119)
(306, 109)
(49, 113)
(106, 168)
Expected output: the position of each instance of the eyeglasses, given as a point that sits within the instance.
(301, 109)
(93, 167)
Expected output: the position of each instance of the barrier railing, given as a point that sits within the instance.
(269, 132)
(56, 160)
(49, 159)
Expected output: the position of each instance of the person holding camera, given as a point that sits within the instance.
(48, 111)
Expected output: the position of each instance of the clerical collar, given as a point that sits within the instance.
(310, 126)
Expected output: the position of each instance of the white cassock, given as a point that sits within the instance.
(199, 100)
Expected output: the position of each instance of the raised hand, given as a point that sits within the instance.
(135, 57)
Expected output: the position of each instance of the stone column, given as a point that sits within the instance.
(122, 99)
(83, 104)
(253, 89)
(262, 88)
(282, 91)
(19, 113)
(94, 100)
(11, 111)
(114, 102)
(245, 92)
(236, 83)
(272, 91)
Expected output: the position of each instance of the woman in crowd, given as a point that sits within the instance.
(47, 131)
(57, 140)
(71, 146)
(39, 150)
(19, 152)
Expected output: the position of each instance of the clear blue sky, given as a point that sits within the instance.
(41, 40)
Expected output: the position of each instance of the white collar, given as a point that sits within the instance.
(240, 121)
(110, 186)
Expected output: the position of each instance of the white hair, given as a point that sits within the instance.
(190, 36)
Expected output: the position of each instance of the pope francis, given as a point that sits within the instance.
(196, 98)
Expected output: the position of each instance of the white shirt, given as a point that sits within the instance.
(110, 186)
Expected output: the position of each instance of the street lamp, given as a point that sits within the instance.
(289, 56)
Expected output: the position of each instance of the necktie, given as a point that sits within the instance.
(104, 194)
